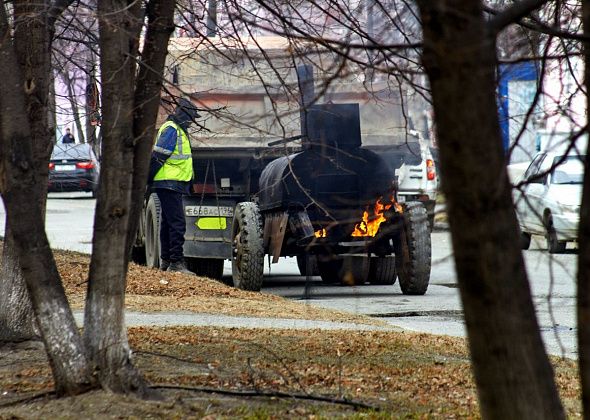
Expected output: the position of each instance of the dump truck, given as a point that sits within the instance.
(327, 200)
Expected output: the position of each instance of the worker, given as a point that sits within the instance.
(171, 173)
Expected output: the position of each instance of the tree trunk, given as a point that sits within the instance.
(512, 371)
(105, 334)
(160, 14)
(23, 182)
(583, 303)
(127, 140)
(17, 319)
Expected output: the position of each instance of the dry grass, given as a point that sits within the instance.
(150, 290)
(395, 374)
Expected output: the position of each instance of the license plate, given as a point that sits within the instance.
(65, 168)
(401, 198)
(204, 211)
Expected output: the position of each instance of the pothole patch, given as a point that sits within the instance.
(408, 314)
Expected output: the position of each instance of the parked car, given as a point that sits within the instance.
(73, 167)
(549, 204)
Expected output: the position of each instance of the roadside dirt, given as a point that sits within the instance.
(216, 373)
(150, 290)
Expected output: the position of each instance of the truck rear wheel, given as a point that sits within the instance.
(206, 267)
(152, 232)
(247, 247)
(383, 270)
(412, 250)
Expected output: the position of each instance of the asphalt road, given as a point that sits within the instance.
(70, 218)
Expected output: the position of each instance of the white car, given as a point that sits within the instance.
(549, 203)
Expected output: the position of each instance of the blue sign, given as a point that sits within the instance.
(524, 71)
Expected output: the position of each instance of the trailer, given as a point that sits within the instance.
(328, 201)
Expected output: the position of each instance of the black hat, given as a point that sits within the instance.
(186, 110)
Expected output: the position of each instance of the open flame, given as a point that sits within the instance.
(321, 233)
(369, 225)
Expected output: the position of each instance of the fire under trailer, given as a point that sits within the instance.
(329, 202)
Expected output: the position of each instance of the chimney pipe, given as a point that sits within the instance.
(307, 96)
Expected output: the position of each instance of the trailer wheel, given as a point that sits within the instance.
(355, 270)
(247, 247)
(383, 270)
(152, 232)
(302, 263)
(348, 270)
(206, 267)
(412, 250)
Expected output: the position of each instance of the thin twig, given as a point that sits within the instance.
(341, 401)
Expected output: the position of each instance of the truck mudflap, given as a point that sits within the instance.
(208, 227)
(198, 248)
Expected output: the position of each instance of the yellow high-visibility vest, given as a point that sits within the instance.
(179, 166)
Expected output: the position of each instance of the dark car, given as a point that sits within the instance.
(73, 167)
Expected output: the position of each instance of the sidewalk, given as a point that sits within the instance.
(168, 319)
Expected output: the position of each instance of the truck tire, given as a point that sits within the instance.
(302, 263)
(152, 232)
(383, 271)
(206, 267)
(412, 249)
(247, 247)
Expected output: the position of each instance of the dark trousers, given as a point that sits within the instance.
(172, 225)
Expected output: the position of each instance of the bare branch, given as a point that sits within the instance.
(513, 14)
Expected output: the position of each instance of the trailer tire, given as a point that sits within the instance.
(302, 263)
(247, 247)
(355, 270)
(206, 267)
(347, 270)
(152, 232)
(412, 249)
(383, 271)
